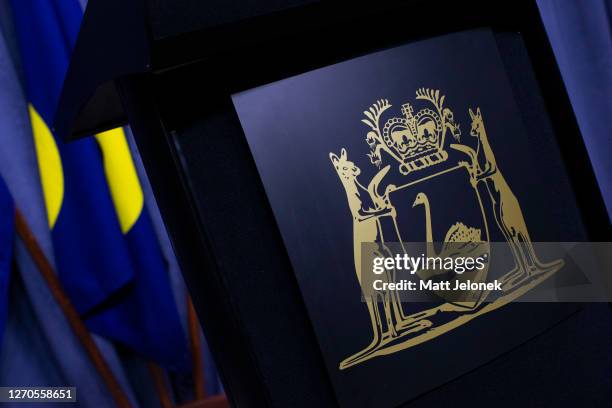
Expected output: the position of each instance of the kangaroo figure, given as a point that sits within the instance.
(506, 209)
(366, 228)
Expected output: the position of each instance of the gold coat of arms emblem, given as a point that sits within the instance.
(423, 171)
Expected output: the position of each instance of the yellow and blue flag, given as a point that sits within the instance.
(7, 234)
(106, 251)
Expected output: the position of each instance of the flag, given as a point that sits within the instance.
(36, 326)
(7, 234)
(106, 253)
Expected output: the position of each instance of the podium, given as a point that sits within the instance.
(169, 68)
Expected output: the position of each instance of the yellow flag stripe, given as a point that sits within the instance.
(121, 176)
(49, 166)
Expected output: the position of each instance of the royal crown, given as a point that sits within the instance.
(416, 141)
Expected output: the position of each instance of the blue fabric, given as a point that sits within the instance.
(118, 282)
(7, 233)
(36, 325)
(87, 236)
(21, 335)
(580, 33)
(146, 317)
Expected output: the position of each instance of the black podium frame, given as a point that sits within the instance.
(175, 93)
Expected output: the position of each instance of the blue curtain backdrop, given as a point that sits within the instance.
(581, 36)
